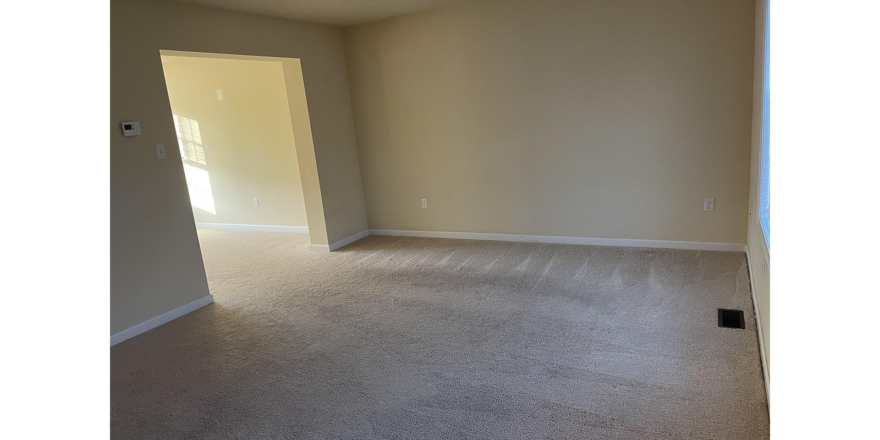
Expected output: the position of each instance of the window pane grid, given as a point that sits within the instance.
(189, 139)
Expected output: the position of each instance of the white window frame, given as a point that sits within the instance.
(764, 195)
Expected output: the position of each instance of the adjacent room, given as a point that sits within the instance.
(236, 142)
(235, 137)
(477, 219)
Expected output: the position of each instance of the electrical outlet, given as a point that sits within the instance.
(160, 151)
(709, 205)
(256, 201)
(424, 203)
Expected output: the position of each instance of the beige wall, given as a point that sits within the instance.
(759, 252)
(568, 118)
(247, 138)
(156, 265)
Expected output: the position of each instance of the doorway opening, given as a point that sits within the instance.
(245, 146)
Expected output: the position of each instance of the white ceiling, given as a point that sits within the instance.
(333, 12)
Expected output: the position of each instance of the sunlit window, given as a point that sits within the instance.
(189, 139)
(765, 140)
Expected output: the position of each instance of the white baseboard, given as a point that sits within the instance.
(341, 243)
(261, 228)
(349, 240)
(161, 319)
(761, 348)
(619, 242)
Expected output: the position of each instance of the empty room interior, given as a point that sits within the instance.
(470, 219)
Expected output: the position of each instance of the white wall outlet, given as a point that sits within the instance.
(160, 151)
(219, 95)
(256, 201)
(131, 128)
(424, 203)
(709, 205)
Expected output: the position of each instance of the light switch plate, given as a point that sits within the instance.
(131, 128)
(160, 151)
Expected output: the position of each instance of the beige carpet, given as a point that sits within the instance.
(415, 338)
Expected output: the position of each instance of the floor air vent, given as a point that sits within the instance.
(731, 318)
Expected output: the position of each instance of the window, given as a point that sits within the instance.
(189, 139)
(764, 217)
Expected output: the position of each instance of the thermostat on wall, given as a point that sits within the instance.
(132, 128)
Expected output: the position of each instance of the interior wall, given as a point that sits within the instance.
(156, 265)
(610, 119)
(759, 251)
(246, 136)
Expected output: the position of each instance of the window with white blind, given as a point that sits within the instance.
(764, 218)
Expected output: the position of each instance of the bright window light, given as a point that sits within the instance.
(199, 185)
(189, 139)
(764, 218)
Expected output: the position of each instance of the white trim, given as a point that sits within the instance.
(764, 237)
(349, 240)
(262, 228)
(161, 319)
(619, 242)
(761, 348)
(341, 243)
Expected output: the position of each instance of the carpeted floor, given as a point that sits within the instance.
(416, 338)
